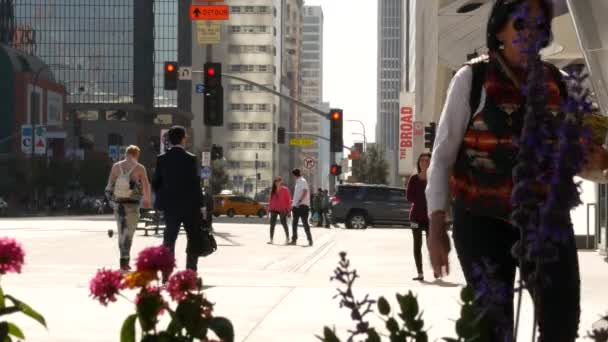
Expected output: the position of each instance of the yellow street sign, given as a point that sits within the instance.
(208, 32)
(301, 142)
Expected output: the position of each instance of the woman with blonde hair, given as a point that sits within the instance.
(127, 185)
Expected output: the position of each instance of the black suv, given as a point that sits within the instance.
(363, 205)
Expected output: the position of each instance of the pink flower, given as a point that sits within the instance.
(155, 259)
(11, 256)
(181, 283)
(106, 285)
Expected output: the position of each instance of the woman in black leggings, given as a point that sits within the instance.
(418, 214)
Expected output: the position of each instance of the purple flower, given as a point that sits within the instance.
(11, 256)
(181, 284)
(156, 259)
(105, 286)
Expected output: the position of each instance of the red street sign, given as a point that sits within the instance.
(213, 12)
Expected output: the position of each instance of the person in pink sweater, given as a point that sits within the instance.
(280, 205)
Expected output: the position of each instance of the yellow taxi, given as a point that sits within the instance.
(232, 205)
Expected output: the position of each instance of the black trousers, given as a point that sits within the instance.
(273, 223)
(191, 222)
(417, 235)
(302, 213)
(482, 240)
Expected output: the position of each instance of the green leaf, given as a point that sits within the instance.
(372, 336)
(15, 331)
(392, 325)
(2, 301)
(8, 311)
(188, 313)
(3, 331)
(467, 295)
(329, 335)
(383, 306)
(127, 333)
(223, 328)
(27, 310)
(422, 337)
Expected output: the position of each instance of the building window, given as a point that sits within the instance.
(235, 106)
(115, 139)
(248, 87)
(235, 87)
(249, 9)
(262, 107)
(235, 9)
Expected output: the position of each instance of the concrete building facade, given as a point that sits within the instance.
(312, 94)
(390, 74)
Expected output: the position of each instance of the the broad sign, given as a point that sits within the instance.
(212, 12)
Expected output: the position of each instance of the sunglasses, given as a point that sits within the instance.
(521, 24)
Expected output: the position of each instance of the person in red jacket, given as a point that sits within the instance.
(279, 206)
(418, 214)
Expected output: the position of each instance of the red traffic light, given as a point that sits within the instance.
(336, 115)
(335, 170)
(211, 71)
(170, 67)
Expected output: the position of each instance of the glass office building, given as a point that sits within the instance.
(87, 44)
(91, 48)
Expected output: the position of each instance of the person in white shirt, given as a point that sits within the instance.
(300, 207)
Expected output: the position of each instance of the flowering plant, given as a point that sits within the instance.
(11, 260)
(474, 323)
(191, 315)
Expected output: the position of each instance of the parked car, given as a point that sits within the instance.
(232, 205)
(359, 206)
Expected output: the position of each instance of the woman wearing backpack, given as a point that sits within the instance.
(482, 152)
(127, 185)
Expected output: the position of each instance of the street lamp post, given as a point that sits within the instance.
(34, 107)
(34, 112)
(364, 135)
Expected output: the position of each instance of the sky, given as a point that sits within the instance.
(349, 66)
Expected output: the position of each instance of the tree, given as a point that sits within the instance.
(371, 167)
(219, 178)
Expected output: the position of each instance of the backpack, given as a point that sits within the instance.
(479, 66)
(122, 186)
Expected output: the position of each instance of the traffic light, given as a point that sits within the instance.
(214, 95)
(281, 135)
(171, 76)
(429, 135)
(336, 143)
(217, 152)
(335, 170)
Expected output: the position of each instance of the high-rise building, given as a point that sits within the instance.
(249, 49)
(390, 65)
(108, 54)
(312, 94)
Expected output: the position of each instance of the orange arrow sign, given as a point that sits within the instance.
(214, 12)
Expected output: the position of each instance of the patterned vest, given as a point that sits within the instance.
(481, 181)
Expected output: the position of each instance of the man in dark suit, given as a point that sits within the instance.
(177, 186)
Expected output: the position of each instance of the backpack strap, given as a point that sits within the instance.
(479, 67)
(557, 75)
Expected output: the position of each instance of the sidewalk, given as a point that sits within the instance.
(271, 293)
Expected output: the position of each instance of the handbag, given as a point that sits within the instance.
(207, 244)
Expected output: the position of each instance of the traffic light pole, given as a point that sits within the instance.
(281, 95)
(319, 137)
